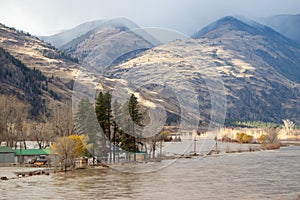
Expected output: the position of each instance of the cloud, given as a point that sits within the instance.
(48, 16)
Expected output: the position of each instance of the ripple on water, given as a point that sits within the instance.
(255, 175)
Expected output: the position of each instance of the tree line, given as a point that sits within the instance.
(109, 125)
(107, 128)
(112, 127)
(17, 127)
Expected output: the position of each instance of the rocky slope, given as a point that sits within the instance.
(254, 66)
(27, 84)
(110, 43)
(258, 66)
(53, 67)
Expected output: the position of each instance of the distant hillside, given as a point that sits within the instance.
(259, 67)
(114, 23)
(110, 43)
(28, 85)
(275, 49)
(60, 39)
(287, 25)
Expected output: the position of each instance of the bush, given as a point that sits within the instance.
(262, 138)
(244, 138)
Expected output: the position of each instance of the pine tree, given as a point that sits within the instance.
(104, 115)
(134, 112)
(116, 110)
(87, 124)
(108, 120)
(131, 120)
(100, 110)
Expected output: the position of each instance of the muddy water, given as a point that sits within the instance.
(253, 175)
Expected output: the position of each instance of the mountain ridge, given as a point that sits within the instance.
(252, 63)
(224, 27)
(259, 67)
(62, 38)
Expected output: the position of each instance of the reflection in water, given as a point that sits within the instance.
(255, 175)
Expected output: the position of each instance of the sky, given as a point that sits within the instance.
(46, 17)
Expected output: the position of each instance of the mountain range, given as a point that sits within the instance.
(258, 66)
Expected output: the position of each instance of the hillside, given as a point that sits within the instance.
(94, 48)
(259, 68)
(27, 84)
(46, 65)
(274, 49)
(62, 38)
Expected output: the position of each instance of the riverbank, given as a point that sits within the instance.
(248, 175)
(223, 148)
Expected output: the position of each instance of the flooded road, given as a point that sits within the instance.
(250, 175)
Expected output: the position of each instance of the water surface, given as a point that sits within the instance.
(254, 175)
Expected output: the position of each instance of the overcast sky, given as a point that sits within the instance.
(44, 17)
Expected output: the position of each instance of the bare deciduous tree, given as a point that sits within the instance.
(62, 120)
(42, 134)
(12, 118)
(272, 135)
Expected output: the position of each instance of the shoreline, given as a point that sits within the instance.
(22, 171)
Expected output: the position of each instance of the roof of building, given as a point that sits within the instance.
(32, 152)
(5, 149)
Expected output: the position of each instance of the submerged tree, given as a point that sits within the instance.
(131, 125)
(120, 123)
(104, 115)
(70, 147)
(87, 124)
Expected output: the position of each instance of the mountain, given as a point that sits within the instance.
(38, 73)
(258, 66)
(109, 44)
(275, 49)
(60, 39)
(18, 80)
(287, 25)
(113, 23)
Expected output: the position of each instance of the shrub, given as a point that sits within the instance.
(244, 138)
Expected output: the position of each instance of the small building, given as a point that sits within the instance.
(140, 156)
(81, 163)
(7, 155)
(27, 155)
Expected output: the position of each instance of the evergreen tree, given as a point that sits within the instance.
(129, 118)
(131, 122)
(126, 139)
(136, 118)
(87, 124)
(108, 120)
(85, 118)
(100, 110)
(134, 112)
(116, 109)
(104, 115)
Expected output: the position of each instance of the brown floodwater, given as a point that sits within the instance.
(251, 175)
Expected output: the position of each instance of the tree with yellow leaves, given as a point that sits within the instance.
(68, 148)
